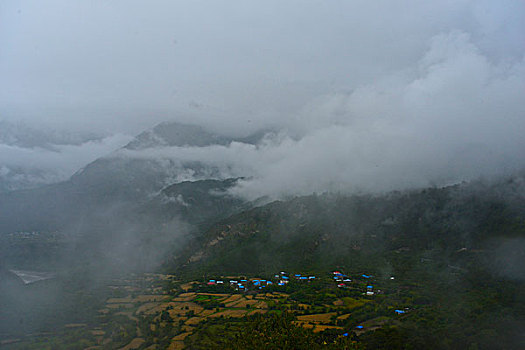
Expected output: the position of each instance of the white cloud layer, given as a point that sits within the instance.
(372, 95)
(22, 167)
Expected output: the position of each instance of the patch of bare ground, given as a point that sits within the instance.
(343, 317)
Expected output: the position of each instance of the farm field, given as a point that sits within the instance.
(167, 313)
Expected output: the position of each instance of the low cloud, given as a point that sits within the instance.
(22, 167)
(457, 115)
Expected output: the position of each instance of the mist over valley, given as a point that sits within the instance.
(288, 175)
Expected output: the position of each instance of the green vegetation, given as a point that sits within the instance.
(450, 261)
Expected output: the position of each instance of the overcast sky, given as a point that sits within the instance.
(375, 87)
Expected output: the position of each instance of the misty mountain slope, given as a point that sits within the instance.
(176, 134)
(319, 232)
(196, 202)
(112, 181)
(24, 149)
(456, 254)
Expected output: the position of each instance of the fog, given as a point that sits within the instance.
(367, 96)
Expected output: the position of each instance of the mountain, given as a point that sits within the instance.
(391, 232)
(444, 266)
(18, 140)
(114, 181)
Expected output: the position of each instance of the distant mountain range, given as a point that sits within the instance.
(116, 180)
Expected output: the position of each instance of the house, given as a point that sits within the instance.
(399, 312)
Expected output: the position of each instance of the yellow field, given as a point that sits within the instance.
(317, 318)
(320, 328)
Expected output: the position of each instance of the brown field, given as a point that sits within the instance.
(317, 318)
(187, 286)
(127, 299)
(258, 311)
(145, 307)
(343, 317)
(176, 345)
(206, 313)
(120, 306)
(230, 313)
(215, 294)
(243, 303)
(261, 305)
(194, 320)
(185, 297)
(232, 298)
(303, 324)
(320, 328)
(150, 298)
(181, 336)
(183, 308)
(339, 302)
(134, 344)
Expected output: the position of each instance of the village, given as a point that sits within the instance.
(160, 309)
